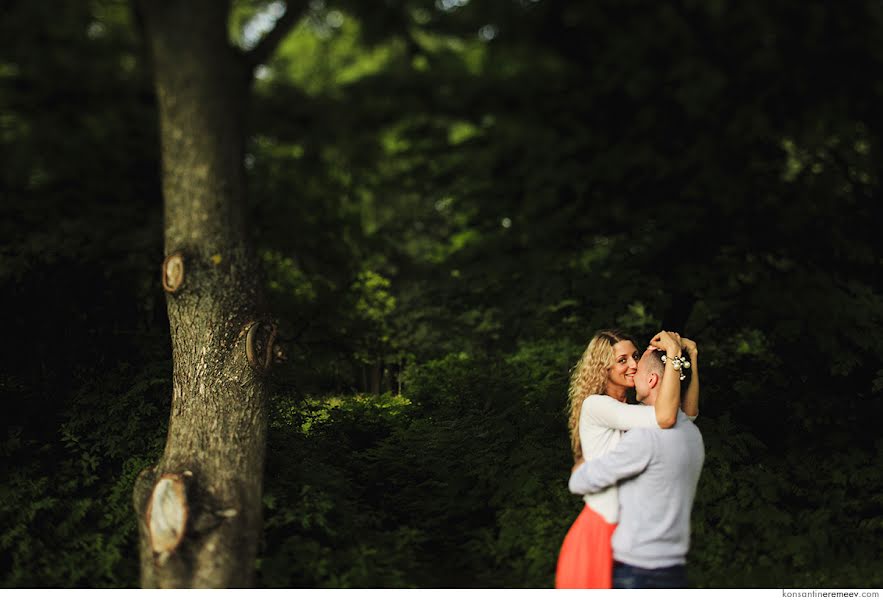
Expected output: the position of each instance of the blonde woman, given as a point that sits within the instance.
(598, 417)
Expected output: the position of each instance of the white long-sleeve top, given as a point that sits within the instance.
(602, 421)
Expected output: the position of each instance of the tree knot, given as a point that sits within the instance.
(259, 345)
(173, 272)
(167, 513)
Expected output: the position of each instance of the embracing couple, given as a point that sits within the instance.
(637, 466)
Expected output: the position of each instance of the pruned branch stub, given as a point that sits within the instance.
(173, 272)
(167, 513)
(259, 345)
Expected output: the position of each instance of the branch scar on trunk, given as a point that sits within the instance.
(167, 514)
(259, 345)
(173, 272)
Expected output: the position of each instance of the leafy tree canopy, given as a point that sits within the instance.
(449, 197)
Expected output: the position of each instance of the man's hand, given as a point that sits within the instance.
(669, 341)
(578, 464)
(690, 347)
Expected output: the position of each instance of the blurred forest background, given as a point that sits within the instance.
(449, 197)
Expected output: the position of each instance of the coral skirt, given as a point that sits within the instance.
(586, 558)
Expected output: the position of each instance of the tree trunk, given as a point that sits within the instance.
(376, 378)
(199, 508)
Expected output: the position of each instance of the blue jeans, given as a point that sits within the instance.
(629, 577)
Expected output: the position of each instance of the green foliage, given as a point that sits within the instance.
(447, 489)
(761, 519)
(456, 196)
(66, 511)
(320, 529)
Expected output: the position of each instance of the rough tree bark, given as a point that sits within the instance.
(199, 507)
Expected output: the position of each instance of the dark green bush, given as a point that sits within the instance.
(65, 508)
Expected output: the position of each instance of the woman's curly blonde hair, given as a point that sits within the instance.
(589, 376)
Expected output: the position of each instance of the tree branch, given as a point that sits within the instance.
(294, 10)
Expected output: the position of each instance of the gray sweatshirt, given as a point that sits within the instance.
(657, 471)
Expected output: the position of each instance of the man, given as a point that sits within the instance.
(657, 471)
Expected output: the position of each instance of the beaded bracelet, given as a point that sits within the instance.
(678, 363)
